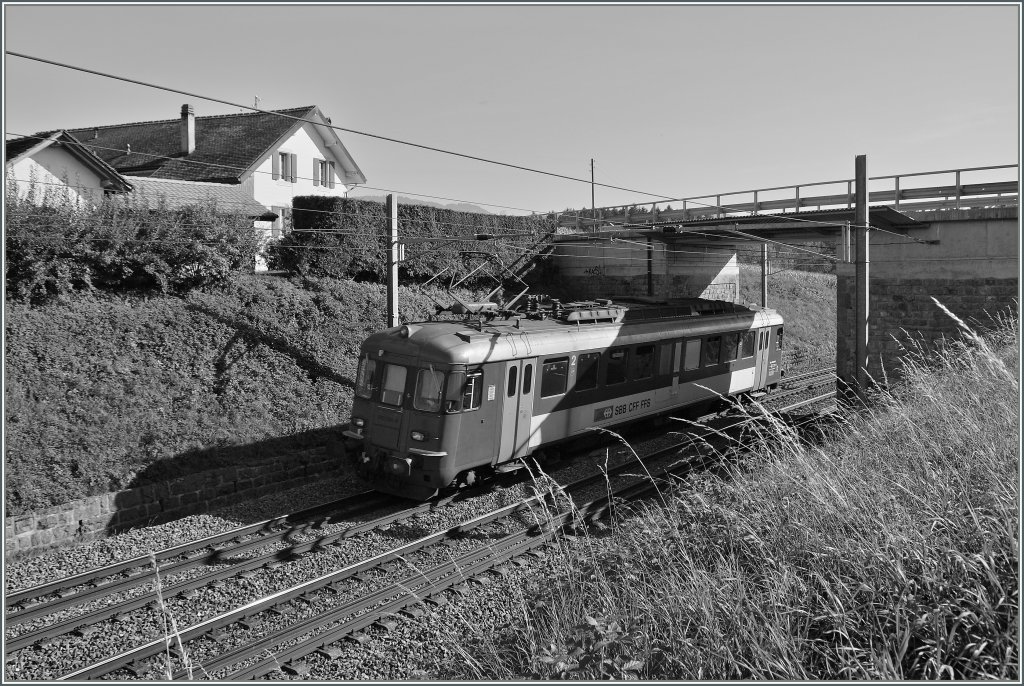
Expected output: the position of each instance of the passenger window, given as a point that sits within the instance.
(643, 363)
(664, 359)
(527, 379)
(615, 366)
(365, 377)
(692, 358)
(586, 372)
(778, 340)
(712, 349)
(513, 373)
(429, 384)
(394, 384)
(748, 343)
(553, 377)
(730, 346)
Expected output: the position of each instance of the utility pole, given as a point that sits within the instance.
(593, 205)
(861, 270)
(392, 212)
(764, 274)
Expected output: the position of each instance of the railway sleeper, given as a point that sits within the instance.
(296, 667)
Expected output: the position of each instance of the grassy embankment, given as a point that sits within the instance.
(107, 392)
(887, 551)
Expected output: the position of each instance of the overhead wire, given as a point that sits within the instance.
(662, 197)
(333, 126)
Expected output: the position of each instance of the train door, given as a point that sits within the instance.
(480, 419)
(761, 360)
(524, 415)
(510, 410)
(773, 356)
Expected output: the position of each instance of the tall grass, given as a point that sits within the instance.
(885, 550)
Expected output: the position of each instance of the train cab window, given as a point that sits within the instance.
(615, 366)
(429, 384)
(642, 366)
(365, 377)
(778, 339)
(553, 377)
(527, 379)
(747, 346)
(464, 392)
(730, 347)
(691, 359)
(394, 385)
(513, 375)
(712, 349)
(586, 372)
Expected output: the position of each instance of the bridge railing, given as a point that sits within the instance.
(900, 194)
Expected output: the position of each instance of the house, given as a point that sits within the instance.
(55, 165)
(264, 157)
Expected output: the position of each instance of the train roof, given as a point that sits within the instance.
(559, 328)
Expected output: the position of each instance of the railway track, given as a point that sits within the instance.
(319, 602)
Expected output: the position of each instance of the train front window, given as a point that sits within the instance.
(394, 385)
(429, 384)
(365, 378)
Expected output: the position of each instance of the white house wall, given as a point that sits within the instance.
(54, 171)
(307, 145)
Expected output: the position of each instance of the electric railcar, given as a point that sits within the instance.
(445, 402)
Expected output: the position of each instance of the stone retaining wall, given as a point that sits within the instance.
(99, 516)
(902, 311)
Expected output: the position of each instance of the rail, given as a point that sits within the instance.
(958, 195)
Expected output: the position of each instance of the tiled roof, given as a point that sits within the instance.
(226, 145)
(233, 198)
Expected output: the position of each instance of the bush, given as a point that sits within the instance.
(56, 248)
(346, 238)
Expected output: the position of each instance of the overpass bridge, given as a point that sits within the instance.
(948, 234)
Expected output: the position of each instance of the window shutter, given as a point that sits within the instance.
(316, 172)
(330, 174)
(275, 165)
(294, 166)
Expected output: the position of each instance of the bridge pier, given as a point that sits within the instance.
(965, 259)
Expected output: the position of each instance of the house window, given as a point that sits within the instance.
(323, 173)
(285, 167)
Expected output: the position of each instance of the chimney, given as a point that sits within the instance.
(188, 130)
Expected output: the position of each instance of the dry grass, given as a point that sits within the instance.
(885, 550)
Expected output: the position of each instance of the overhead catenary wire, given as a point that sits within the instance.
(662, 197)
(333, 126)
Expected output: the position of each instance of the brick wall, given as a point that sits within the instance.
(664, 286)
(99, 516)
(902, 311)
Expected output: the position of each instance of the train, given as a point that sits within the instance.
(444, 403)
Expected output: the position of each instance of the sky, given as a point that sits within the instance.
(672, 100)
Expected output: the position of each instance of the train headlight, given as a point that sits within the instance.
(418, 436)
(358, 421)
